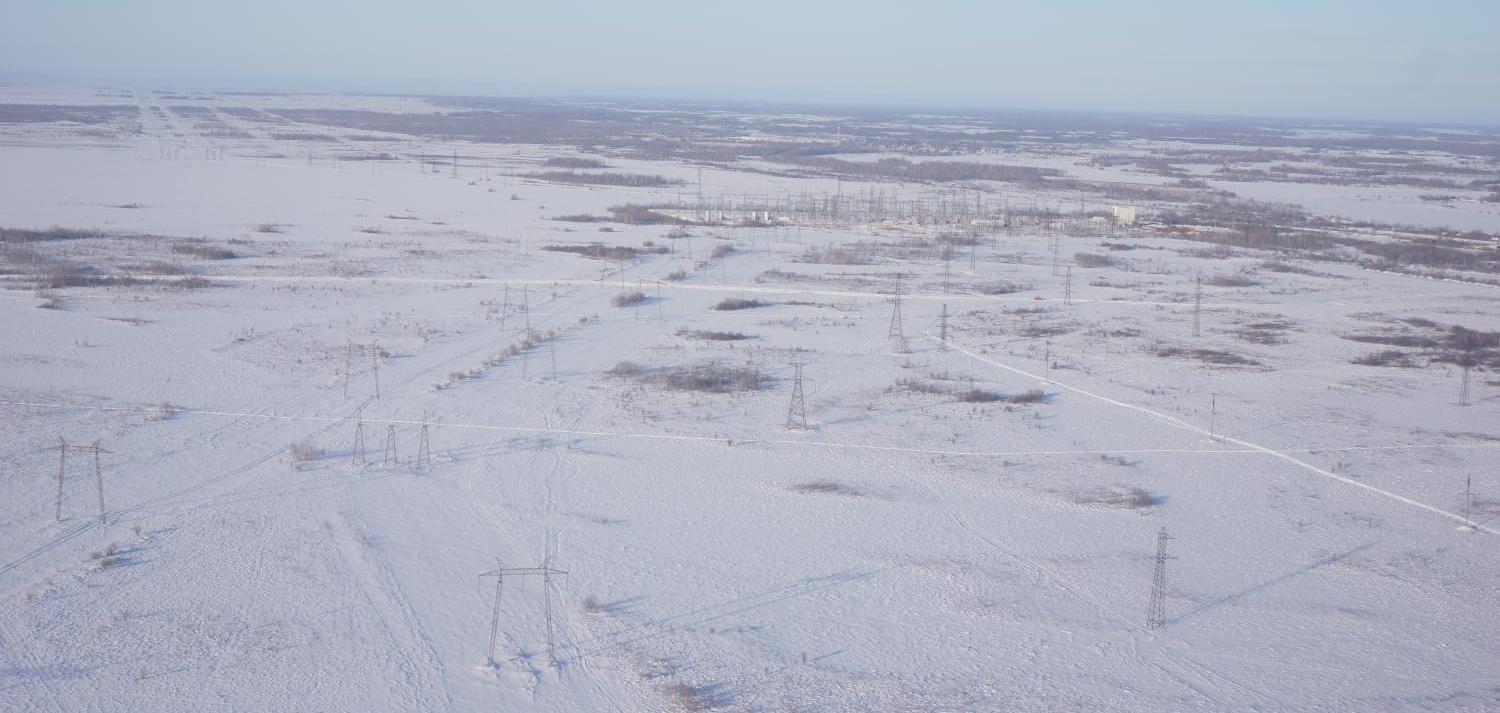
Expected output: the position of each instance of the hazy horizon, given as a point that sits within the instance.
(1378, 61)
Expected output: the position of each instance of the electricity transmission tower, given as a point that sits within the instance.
(895, 333)
(357, 453)
(1468, 503)
(63, 448)
(943, 329)
(424, 449)
(361, 350)
(1068, 287)
(1463, 383)
(388, 453)
(1198, 307)
(1156, 617)
(947, 269)
(1213, 416)
(796, 414)
(546, 572)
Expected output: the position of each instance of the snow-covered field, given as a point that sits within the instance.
(909, 550)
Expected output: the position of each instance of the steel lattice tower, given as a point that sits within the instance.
(943, 329)
(1156, 617)
(357, 452)
(895, 333)
(1198, 307)
(796, 413)
(424, 447)
(1463, 384)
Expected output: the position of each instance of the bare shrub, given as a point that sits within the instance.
(626, 299)
(710, 378)
(1118, 496)
(304, 452)
(583, 218)
(835, 255)
(1286, 267)
(1271, 332)
(626, 369)
(1238, 279)
(635, 180)
(921, 387)
(675, 275)
(157, 267)
(1207, 356)
(1384, 357)
(1000, 288)
(269, 228)
(720, 251)
(600, 251)
(632, 214)
(977, 396)
(712, 336)
(826, 487)
(733, 303)
(1032, 396)
(107, 557)
(1094, 260)
(687, 696)
(70, 274)
(574, 162)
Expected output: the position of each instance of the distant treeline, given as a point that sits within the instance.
(930, 171)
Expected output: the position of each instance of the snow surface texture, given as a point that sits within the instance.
(911, 550)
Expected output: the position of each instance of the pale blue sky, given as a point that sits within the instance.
(1434, 61)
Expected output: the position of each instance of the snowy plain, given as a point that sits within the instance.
(908, 551)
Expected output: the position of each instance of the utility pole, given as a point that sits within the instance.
(1068, 287)
(1156, 617)
(796, 414)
